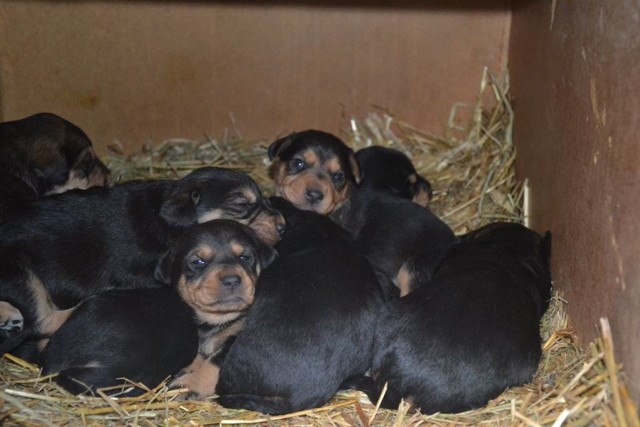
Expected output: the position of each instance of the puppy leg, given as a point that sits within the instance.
(24, 296)
(200, 377)
(49, 318)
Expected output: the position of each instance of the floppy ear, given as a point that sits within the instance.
(266, 254)
(82, 159)
(355, 166)
(280, 144)
(162, 272)
(179, 207)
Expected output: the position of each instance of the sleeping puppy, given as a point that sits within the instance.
(310, 326)
(141, 335)
(44, 154)
(316, 171)
(70, 246)
(472, 331)
(390, 170)
(145, 335)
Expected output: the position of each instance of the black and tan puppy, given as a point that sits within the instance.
(390, 170)
(216, 275)
(317, 171)
(310, 326)
(70, 246)
(145, 335)
(44, 154)
(472, 331)
(139, 335)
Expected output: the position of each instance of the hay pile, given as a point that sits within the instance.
(471, 170)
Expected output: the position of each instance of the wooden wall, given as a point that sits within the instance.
(575, 72)
(140, 70)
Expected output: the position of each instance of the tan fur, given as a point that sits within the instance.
(421, 198)
(310, 158)
(332, 165)
(249, 195)
(211, 302)
(211, 215)
(49, 317)
(317, 177)
(9, 312)
(404, 280)
(264, 224)
(213, 344)
(200, 377)
(236, 248)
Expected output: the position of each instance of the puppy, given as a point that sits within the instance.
(310, 326)
(44, 154)
(472, 331)
(215, 274)
(390, 170)
(73, 245)
(141, 335)
(316, 171)
(145, 335)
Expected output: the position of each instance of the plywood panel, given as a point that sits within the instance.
(576, 76)
(139, 71)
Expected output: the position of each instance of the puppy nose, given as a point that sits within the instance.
(313, 196)
(231, 281)
(280, 227)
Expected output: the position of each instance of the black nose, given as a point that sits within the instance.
(231, 281)
(313, 196)
(280, 227)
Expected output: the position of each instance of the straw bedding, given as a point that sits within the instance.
(471, 168)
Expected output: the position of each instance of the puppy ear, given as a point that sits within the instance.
(266, 254)
(179, 207)
(162, 272)
(355, 166)
(277, 146)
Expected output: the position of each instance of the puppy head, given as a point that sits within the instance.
(214, 193)
(314, 170)
(55, 154)
(86, 171)
(214, 267)
(390, 170)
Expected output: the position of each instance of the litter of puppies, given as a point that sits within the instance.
(570, 385)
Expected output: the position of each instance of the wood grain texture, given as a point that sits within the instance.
(575, 79)
(140, 71)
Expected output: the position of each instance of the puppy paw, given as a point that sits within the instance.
(200, 378)
(11, 320)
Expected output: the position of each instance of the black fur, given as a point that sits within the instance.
(310, 327)
(146, 335)
(38, 154)
(393, 232)
(82, 242)
(390, 170)
(472, 331)
(143, 335)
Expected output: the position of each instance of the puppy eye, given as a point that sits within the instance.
(247, 259)
(297, 164)
(338, 177)
(197, 264)
(243, 205)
